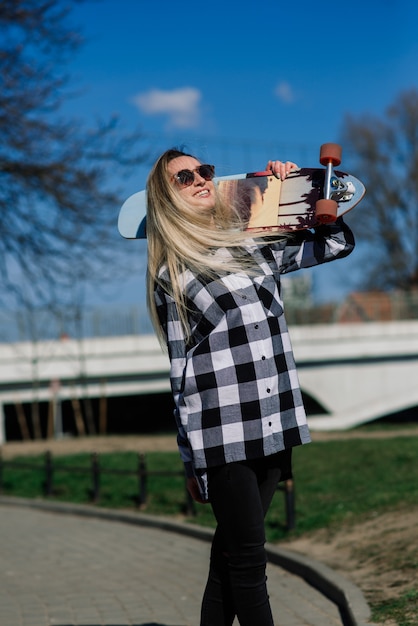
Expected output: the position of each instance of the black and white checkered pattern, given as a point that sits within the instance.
(235, 385)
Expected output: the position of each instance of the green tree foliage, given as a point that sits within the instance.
(57, 210)
(385, 153)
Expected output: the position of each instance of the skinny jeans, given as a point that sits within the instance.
(240, 494)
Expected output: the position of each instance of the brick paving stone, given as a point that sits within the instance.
(66, 570)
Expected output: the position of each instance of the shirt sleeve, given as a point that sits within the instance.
(308, 248)
(176, 345)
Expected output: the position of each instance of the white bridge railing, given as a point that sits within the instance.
(356, 372)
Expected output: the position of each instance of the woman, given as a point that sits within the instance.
(214, 299)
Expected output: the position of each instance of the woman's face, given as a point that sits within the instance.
(201, 192)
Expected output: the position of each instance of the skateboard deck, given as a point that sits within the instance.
(267, 204)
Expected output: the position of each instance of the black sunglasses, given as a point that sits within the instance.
(185, 178)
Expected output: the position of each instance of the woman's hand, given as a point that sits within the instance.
(281, 169)
(193, 489)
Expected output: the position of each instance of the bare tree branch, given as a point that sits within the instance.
(385, 152)
(57, 207)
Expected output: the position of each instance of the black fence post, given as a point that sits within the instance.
(142, 480)
(289, 489)
(95, 477)
(48, 474)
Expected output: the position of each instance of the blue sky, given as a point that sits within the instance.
(239, 83)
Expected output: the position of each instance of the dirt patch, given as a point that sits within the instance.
(151, 443)
(67, 445)
(379, 555)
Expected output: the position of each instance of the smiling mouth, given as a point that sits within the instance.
(203, 193)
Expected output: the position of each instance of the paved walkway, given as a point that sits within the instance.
(72, 570)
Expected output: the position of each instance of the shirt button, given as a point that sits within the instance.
(263, 358)
(268, 390)
(256, 326)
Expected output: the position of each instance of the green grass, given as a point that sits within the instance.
(166, 494)
(336, 483)
(339, 481)
(403, 610)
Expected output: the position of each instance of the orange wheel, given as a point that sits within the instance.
(326, 211)
(330, 153)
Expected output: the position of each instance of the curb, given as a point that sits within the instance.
(348, 597)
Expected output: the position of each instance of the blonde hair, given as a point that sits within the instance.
(181, 238)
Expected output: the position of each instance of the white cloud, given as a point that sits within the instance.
(285, 93)
(180, 105)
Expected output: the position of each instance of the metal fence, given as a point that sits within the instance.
(96, 472)
(357, 307)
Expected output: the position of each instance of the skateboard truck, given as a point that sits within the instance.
(341, 191)
(335, 190)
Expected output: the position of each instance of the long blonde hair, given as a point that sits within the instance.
(181, 238)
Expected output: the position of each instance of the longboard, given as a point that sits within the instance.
(306, 198)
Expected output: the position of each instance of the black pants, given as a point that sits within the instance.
(240, 494)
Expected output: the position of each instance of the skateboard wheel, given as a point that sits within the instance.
(326, 211)
(330, 153)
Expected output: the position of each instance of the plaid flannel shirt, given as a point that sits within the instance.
(235, 384)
